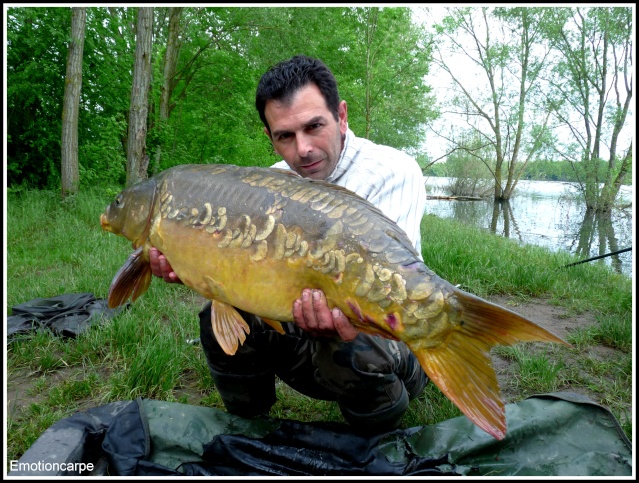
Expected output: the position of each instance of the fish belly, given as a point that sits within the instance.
(266, 287)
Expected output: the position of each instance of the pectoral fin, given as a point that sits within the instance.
(229, 327)
(132, 280)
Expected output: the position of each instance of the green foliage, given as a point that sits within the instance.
(223, 52)
(36, 68)
(539, 169)
(102, 159)
(469, 173)
(550, 170)
(382, 82)
(595, 52)
(437, 169)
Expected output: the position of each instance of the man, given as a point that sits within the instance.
(322, 355)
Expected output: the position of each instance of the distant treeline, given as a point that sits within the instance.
(541, 170)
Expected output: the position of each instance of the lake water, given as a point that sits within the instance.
(546, 213)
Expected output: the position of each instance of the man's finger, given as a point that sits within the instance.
(167, 274)
(155, 263)
(297, 313)
(321, 312)
(344, 328)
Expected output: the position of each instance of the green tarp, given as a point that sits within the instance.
(559, 434)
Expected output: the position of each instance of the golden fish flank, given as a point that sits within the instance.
(376, 284)
(245, 234)
(263, 225)
(379, 285)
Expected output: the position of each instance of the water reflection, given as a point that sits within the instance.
(549, 214)
(597, 230)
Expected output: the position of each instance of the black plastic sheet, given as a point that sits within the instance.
(66, 315)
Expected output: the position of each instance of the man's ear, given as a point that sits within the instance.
(268, 133)
(342, 114)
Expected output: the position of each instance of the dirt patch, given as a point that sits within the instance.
(562, 323)
(550, 317)
(20, 390)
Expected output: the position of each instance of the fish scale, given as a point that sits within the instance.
(253, 238)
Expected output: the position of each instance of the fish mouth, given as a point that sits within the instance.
(104, 223)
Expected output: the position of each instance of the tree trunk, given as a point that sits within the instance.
(137, 159)
(71, 104)
(170, 62)
(168, 84)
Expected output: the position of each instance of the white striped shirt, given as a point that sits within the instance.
(388, 178)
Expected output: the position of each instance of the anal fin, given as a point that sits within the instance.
(229, 327)
(274, 324)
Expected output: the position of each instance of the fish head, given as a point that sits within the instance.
(129, 215)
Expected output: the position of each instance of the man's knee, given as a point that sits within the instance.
(375, 379)
(378, 415)
(246, 395)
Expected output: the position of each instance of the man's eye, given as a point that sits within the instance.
(284, 136)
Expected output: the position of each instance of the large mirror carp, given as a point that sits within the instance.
(253, 238)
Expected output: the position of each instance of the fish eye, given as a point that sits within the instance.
(118, 200)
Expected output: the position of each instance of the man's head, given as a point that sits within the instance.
(299, 105)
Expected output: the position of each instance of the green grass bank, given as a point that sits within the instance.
(56, 247)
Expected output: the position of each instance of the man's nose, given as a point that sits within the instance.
(304, 145)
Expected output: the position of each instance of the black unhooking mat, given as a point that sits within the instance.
(558, 434)
(66, 315)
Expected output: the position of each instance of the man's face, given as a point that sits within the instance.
(305, 133)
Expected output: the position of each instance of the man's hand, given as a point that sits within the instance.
(160, 267)
(312, 314)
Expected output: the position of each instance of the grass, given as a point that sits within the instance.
(537, 371)
(56, 247)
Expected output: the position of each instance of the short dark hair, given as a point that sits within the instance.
(283, 80)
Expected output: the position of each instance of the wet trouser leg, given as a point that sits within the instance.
(371, 378)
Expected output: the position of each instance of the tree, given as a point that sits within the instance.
(70, 108)
(204, 71)
(212, 114)
(137, 158)
(591, 95)
(36, 62)
(498, 103)
(468, 175)
(170, 62)
(169, 80)
(388, 58)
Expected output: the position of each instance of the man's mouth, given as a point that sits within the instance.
(312, 165)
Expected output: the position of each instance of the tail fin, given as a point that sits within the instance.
(461, 366)
(133, 279)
